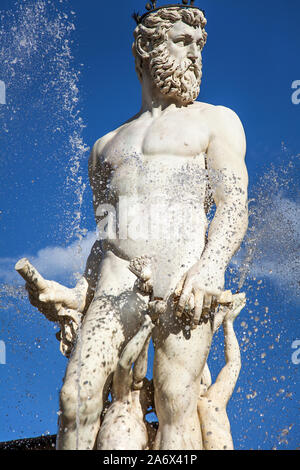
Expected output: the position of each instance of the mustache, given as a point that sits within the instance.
(197, 68)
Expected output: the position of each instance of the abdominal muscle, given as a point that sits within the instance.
(172, 253)
(160, 213)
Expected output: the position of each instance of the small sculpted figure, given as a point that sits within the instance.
(124, 426)
(213, 400)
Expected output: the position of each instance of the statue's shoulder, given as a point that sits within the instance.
(227, 116)
(219, 112)
(97, 150)
(101, 143)
(222, 121)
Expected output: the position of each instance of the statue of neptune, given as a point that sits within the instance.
(154, 180)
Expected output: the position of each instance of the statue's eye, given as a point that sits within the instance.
(183, 40)
(180, 42)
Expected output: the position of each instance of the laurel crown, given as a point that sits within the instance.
(151, 8)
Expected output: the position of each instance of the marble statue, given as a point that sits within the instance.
(154, 179)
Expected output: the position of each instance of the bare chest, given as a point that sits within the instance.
(157, 155)
(171, 135)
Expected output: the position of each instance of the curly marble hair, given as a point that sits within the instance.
(152, 32)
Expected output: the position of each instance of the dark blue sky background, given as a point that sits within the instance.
(54, 89)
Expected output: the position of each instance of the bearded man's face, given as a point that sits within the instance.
(176, 65)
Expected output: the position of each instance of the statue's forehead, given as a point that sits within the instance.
(182, 28)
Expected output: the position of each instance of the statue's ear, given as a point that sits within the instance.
(142, 47)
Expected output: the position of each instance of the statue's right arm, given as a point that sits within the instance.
(97, 176)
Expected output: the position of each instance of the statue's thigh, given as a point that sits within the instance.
(180, 356)
(109, 324)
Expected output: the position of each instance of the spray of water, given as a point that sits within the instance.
(271, 246)
(42, 89)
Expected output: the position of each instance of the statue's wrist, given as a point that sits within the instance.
(79, 293)
(227, 324)
(208, 259)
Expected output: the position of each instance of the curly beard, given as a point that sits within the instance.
(173, 78)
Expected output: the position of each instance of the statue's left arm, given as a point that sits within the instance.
(228, 179)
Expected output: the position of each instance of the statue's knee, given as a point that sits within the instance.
(68, 401)
(90, 402)
(85, 402)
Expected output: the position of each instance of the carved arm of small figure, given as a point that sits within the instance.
(40, 291)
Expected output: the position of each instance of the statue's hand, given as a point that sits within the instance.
(156, 308)
(141, 267)
(50, 299)
(197, 291)
(239, 302)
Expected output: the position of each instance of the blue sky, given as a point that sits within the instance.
(70, 79)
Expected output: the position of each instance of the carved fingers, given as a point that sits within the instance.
(50, 299)
(190, 305)
(70, 321)
(195, 303)
(155, 309)
(141, 267)
(179, 287)
(199, 302)
(48, 309)
(184, 300)
(144, 287)
(237, 305)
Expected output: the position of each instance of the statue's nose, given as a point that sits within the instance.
(193, 53)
